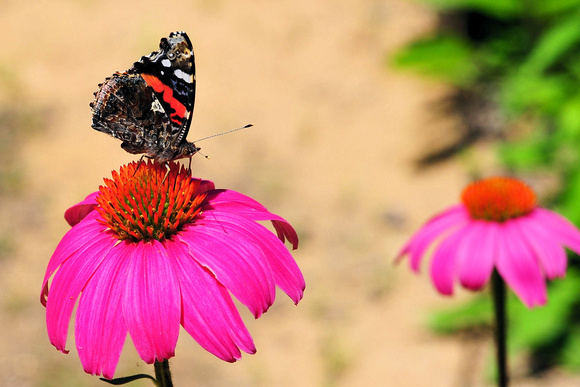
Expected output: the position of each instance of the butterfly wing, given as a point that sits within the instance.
(125, 108)
(170, 72)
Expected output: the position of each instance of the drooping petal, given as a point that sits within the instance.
(233, 202)
(476, 253)
(235, 260)
(209, 314)
(443, 262)
(546, 246)
(72, 241)
(286, 273)
(69, 281)
(151, 302)
(286, 232)
(78, 212)
(559, 227)
(435, 228)
(518, 266)
(100, 327)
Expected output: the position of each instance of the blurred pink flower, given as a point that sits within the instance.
(155, 249)
(497, 226)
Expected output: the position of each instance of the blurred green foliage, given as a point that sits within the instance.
(523, 56)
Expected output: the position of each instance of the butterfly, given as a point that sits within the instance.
(149, 107)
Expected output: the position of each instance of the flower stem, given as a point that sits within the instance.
(499, 304)
(162, 374)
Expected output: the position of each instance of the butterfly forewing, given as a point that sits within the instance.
(170, 72)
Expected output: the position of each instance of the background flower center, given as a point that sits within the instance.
(498, 199)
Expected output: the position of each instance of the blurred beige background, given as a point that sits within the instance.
(336, 132)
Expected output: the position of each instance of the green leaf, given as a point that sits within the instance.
(128, 379)
(539, 327)
(475, 313)
(540, 94)
(525, 154)
(502, 9)
(445, 57)
(570, 358)
(552, 7)
(553, 44)
(568, 203)
(568, 118)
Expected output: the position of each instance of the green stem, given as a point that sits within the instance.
(162, 374)
(499, 304)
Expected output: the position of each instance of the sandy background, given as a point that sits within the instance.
(332, 150)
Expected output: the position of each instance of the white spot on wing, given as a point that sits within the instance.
(182, 75)
(166, 63)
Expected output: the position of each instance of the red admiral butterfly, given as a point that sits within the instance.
(150, 106)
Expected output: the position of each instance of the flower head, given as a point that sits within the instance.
(498, 226)
(155, 249)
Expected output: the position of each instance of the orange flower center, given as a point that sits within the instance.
(498, 199)
(146, 201)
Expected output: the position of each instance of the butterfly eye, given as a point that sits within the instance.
(171, 55)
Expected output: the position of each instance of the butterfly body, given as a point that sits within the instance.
(150, 106)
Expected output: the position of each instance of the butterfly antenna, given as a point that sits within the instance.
(222, 133)
(206, 156)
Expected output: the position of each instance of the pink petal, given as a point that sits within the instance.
(69, 281)
(100, 330)
(518, 266)
(232, 201)
(443, 263)
(558, 226)
(151, 302)
(286, 273)
(78, 212)
(435, 228)
(72, 241)
(475, 254)
(545, 244)
(285, 231)
(242, 205)
(209, 314)
(205, 186)
(235, 261)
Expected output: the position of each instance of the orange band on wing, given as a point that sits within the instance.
(167, 92)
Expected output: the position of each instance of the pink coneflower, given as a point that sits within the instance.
(155, 249)
(497, 226)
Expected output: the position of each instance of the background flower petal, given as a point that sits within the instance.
(518, 266)
(442, 267)
(557, 225)
(435, 228)
(69, 281)
(235, 260)
(151, 302)
(476, 253)
(546, 246)
(100, 329)
(209, 314)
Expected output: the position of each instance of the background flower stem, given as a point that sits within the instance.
(162, 374)
(499, 305)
